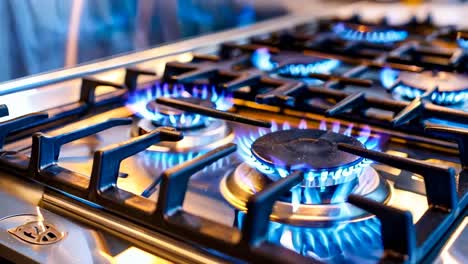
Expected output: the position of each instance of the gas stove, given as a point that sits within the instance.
(326, 141)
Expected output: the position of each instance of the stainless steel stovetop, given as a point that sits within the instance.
(100, 182)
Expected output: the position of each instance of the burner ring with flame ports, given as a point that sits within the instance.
(238, 186)
(369, 33)
(291, 65)
(311, 150)
(450, 88)
(168, 116)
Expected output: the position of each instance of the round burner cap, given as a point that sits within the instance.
(444, 81)
(309, 149)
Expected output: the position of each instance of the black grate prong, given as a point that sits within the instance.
(281, 94)
(350, 102)
(175, 180)
(187, 72)
(458, 135)
(260, 206)
(341, 80)
(439, 180)
(412, 111)
(88, 89)
(131, 77)
(191, 76)
(3, 110)
(107, 161)
(398, 232)
(207, 111)
(46, 150)
(19, 123)
(241, 80)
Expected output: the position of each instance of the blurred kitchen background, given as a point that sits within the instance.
(45, 35)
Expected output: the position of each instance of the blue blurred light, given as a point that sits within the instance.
(388, 77)
(378, 36)
(261, 59)
(463, 43)
(166, 160)
(246, 16)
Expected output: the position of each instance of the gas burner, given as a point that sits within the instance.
(306, 205)
(144, 105)
(441, 88)
(261, 59)
(277, 152)
(291, 65)
(368, 33)
(200, 132)
(320, 199)
(312, 150)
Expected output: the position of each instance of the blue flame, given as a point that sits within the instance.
(138, 103)
(378, 36)
(262, 59)
(463, 43)
(389, 78)
(437, 97)
(335, 244)
(166, 160)
(445, 98)
(314, 177)
(303, 70)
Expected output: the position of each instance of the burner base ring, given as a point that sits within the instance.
(236, 189)
(215, 134)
